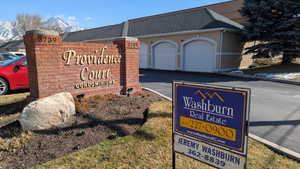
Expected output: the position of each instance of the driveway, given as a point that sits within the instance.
(275, 107)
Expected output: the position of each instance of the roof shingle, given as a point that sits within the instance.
(185, 20)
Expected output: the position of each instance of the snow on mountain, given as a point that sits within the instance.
(58, 22)
(9, 32)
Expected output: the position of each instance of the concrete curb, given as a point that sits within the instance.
(153, 91)
(291, 82)
(7, 122)
(280, 149)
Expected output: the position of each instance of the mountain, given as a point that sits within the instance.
(8, 30)
(58, 22)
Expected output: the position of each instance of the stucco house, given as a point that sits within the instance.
(203, 39)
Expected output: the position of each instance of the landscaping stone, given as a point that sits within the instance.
(48, 112)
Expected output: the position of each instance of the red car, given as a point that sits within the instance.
(13, 74)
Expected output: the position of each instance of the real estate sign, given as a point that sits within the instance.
(210, 123)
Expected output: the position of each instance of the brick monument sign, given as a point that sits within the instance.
(80, 68)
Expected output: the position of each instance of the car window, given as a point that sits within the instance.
(19, 54)
(6, 56)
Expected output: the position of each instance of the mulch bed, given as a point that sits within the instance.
(98, 119)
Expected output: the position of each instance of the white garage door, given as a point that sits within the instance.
(143, 55)
(199, 56)
(165, 56)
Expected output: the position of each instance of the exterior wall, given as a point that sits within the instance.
(232, 46)
(80, 68)
(178, 39)
(229, 44)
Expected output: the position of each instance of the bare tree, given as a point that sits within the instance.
(26, 22)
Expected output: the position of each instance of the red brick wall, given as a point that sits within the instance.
(54, 67)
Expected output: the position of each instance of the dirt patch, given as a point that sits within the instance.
(98, 119)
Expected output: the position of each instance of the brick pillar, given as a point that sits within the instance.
(36, 41)
(129, 47)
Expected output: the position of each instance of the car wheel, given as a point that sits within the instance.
(3, 86)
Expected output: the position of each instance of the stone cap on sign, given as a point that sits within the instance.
(43, 32)
(46, 36)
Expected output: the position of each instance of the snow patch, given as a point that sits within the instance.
(287, 76)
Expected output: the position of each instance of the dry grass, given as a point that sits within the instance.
(9, 117)
(14, 142)
(150, 148)
(12, 98)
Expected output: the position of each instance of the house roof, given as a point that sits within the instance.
(95, 33)
(193, 19)
(13, 44)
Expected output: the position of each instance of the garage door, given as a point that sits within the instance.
(143, 55)
(199, 56)
(165, 56)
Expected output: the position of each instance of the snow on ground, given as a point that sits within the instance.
(287, 76)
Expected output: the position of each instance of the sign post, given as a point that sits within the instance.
(211, 123)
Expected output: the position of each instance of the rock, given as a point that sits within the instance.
(48, 112)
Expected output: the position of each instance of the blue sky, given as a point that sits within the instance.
(95, 13)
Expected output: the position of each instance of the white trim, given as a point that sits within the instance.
(164, 41)
(221, 49)
(185, 32)
(155, 44)
(211, 41)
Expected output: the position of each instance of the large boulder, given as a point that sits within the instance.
(48, 112)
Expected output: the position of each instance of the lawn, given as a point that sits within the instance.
(13, 98)
(9, 109)
(150, 147)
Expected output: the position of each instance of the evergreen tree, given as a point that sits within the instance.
(275, 25)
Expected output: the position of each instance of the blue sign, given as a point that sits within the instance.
(212, 114)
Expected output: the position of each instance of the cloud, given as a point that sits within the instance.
(71, 18)
(88, 18)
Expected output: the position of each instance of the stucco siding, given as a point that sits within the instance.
(232, 42)
(179, 39)
(232, 47)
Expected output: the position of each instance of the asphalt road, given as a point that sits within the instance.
(275, 107)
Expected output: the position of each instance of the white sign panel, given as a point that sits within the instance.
(208, 154)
